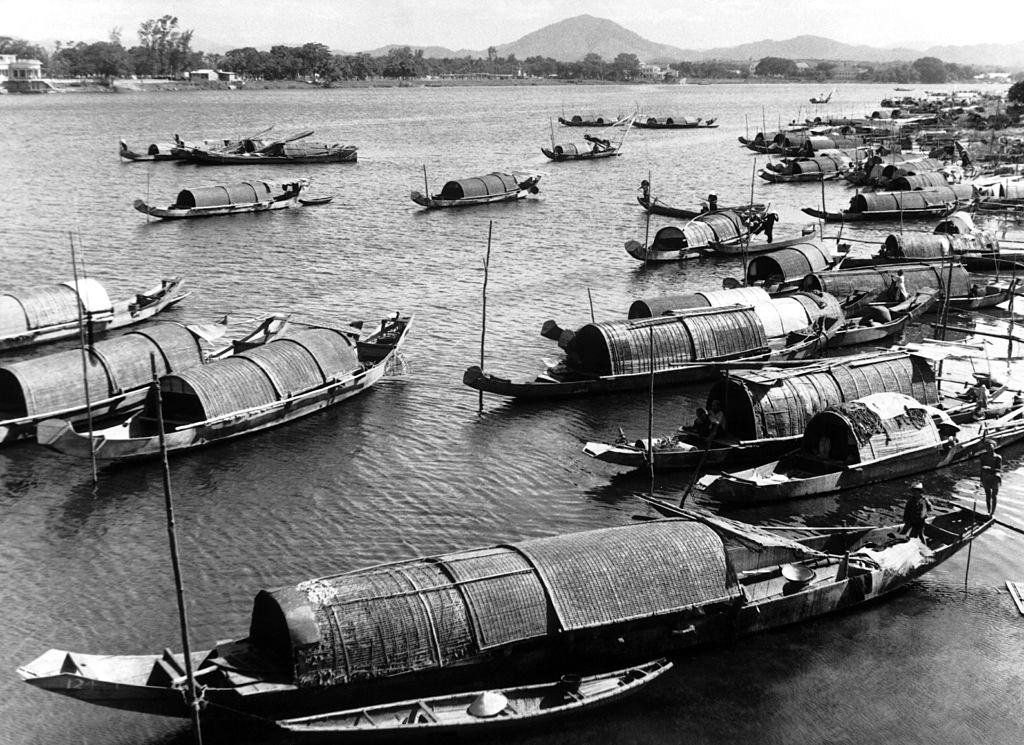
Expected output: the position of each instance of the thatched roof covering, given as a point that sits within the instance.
(54, 382)
(481, 186)
(879, 279)
(225, 195)
(778, 403)
(624, 347)
(51, 305)
(789, 263)
(303, 360)
(649, 307)
(432, 613)
(880, 425)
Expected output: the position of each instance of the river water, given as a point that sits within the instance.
(410, 468)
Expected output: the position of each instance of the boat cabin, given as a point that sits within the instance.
(870, 283)
(466, 607)
(650, 307)
(875, 427)
(299, 361)
(53, 382)
(772, 403)
(624, 347)
(896, 201)
(788, 264)
(482, 186)
(53, 305)
(245, 192)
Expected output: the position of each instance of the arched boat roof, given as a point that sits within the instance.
(40, 307)
(481, 186)
(301, 360)
(225, 195)
(54, 382)
(649, 307)
(792, 262)
(437, 612)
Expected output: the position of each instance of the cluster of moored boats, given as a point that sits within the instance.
(528, 631)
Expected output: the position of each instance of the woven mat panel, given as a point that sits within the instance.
(176, 347)
(225, 386)
(629, 345)
(617, 574)
(334, 352)
(785, 409)
(55, 381)
(698, 234)
(506, 599)
(12, 316)
(288, 365)
(45, 306)
(381, 622)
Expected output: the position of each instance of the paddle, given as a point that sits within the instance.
(294, 137)
(997, 521)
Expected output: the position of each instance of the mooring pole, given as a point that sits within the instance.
(483, 315)
(85, 351)
(192, 695)
(650, 416)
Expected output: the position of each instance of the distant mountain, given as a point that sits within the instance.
(1000, 55)
(808, 47)
(574, 38)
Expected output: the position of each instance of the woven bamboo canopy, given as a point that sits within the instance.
(433, 613)
(225, 195)
(54, 382)
(302, 360)
(881, 425)
(481, 186)
(894, 201)
(789, 263)
(624, 347)
(928, 180)
(773, 403)
(51, 305)
(649, 307)
(878, 280)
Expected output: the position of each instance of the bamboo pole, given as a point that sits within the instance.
(483, 317)
(650, 417)
(590, 297)
(970, 545)
(191, 694)
(426, 186)
(647, 226)
(84, 351)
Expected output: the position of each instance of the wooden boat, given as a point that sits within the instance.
(311, 201)
(669, 122)
(515, 614)
(808, 236)
(170, 150)
(704, 233)
(656, 207)
(589, 120)
(228, 199)
(880, 323)
(900, 205)
(46, 314)
(474, 712)
(156, 151)
(120, 376)
(289, 377)
(824, 97)
(785, 268)
(691, 345)
(766, 411)
(287, 150)
(596, 147)
(858, 287)
(879, 437)
(820, 168)
(494, 187)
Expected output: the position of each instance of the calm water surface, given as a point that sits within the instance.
(410, 468)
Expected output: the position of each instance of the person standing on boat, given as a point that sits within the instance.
(712, 202)
(899, 287)
(645, 189)
(717, 417)
(769, 224)
(916, 512)
(991, 474)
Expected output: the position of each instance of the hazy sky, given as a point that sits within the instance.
(356, 25)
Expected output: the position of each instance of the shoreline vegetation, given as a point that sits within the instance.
(165, 85)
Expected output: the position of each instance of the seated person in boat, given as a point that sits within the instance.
(701, 423)
(717, 417)
(599, 143)
(711, 205)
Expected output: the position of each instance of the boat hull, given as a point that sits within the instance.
(673, 457)
(525, 188)
(346, 154)
(124, 313)
(561, 157)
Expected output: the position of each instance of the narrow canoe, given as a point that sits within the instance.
(477, 712)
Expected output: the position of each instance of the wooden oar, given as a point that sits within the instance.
(274, 144)
(997, 521)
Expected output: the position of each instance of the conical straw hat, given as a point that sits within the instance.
(488, 704)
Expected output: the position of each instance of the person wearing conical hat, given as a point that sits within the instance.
(916, 512)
